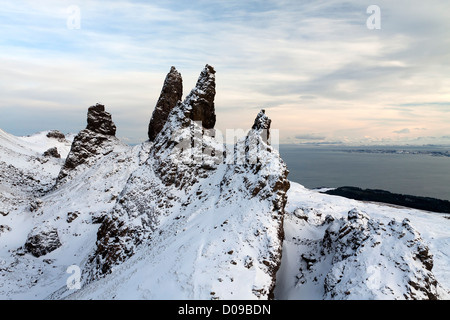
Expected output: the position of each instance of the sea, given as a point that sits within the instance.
(411, 170)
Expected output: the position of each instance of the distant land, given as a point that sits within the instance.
(433, 153)
(415, 202)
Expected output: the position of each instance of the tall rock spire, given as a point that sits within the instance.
(201, 98)
(171, 93)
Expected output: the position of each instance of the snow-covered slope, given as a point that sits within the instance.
(36, 215)
(25, 169)
(336, 248)
(185, 217)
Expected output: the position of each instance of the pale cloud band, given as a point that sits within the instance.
(314, 65)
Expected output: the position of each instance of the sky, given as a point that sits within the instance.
(325, 71)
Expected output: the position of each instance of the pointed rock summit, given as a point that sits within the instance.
(262, 123)
(200, 102)
(171, 94)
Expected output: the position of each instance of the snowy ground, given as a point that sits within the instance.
(158, 272)
(300, 237)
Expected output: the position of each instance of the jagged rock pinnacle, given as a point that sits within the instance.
(100, 121)
(171, 93)
(262, 123)
(201, 98)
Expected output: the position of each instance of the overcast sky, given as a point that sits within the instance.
(321, 74)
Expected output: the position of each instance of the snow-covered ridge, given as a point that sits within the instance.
(185, 217)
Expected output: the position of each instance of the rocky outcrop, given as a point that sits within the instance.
(188, 137)
(97, 139)
(171, 94)
(100, 121)
(58, 135)
(52, 152)
(359, 256)
(265, 179)
(186, 180)
(42, 240)
(262, 124)
(175, 161)
(200, 102)
(71, 216)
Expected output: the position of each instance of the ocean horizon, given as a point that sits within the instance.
(410, 170)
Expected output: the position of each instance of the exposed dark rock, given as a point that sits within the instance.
(253, 158)
(100, 121)
(52, 152)
(360, 247)
(201, 99)
(42, 240)
(97, 218)
(115, 243)
(171, 94)
(72, 216)
(185, 136)
(55, 134)
(262, 123)
(98, 138)
(35, 205)
(4, 229)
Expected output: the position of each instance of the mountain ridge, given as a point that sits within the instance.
(184, 216)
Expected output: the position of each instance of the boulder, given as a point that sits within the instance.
(55, 134)
(41, 240)
(72, 216)
(52, 152)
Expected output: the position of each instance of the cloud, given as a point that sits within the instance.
(402, 131)
(309, 137)
(313, 63)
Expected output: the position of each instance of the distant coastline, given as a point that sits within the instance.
(400, 151)
(415, 202)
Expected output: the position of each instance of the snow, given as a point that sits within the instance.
(34, 144)
(374, 270)
(213, 241)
